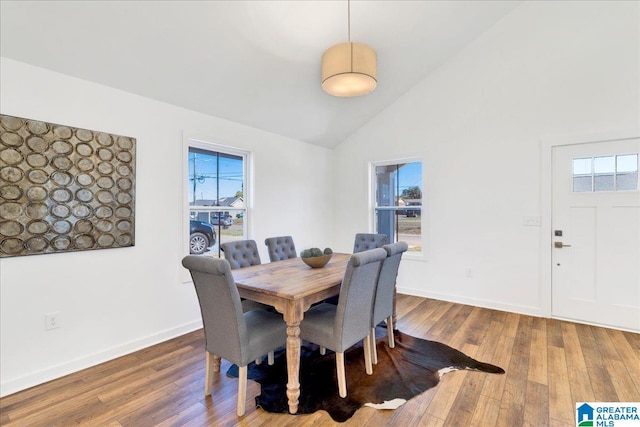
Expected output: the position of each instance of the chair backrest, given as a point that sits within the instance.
(366, 241)
(280, 248)
(241, 253)
(224, 325)
(383, 306)
(355, 303)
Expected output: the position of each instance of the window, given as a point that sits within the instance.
(398, 202)
(216, 195)
(606, 173)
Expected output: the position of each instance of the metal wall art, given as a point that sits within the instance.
(64, 189)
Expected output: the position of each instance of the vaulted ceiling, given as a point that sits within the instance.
(251, 62)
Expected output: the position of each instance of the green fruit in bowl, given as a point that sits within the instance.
(315, 252)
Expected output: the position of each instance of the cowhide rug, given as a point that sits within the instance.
(413, 366)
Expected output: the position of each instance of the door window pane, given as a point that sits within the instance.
(627, 172)
(627, 163)
(627, 181)
(604, 165)
(582, 183)
(582, 172)
(606, 173)
(603, 183)
(582, 166)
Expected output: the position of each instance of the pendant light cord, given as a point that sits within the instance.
(349, 20)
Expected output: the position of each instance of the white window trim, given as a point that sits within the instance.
(205, 143)
(418, 256)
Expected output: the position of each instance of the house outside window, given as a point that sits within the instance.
(397, 196)
(216, 195)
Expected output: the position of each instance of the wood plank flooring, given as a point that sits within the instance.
(550, 365)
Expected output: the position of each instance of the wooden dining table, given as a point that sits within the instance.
(291, 287)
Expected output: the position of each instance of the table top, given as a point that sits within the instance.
(291, 279)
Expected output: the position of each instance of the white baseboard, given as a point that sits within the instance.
(531, 311)
(57, 371)
(495, 305)
(599, 325)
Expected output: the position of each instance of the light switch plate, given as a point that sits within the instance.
(532, 221)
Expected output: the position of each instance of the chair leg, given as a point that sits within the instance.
(258, 360)
(367, 355)
(212, 364)
(323, 350)
(270, 358)
(342, 380)
(242, 389)
(392, 342)
(374, 350)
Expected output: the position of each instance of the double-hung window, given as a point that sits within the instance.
(216, 193)
(397, 196)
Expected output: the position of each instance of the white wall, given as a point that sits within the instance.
(117, 300)
(546, 69)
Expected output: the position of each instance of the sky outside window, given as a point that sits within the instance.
(410, 175)
(213, 176)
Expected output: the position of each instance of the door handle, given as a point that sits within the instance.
(560, 245)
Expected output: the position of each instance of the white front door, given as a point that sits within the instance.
(596, 233)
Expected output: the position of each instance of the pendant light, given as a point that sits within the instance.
(349, 69)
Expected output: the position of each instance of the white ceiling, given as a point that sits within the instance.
(252, 62)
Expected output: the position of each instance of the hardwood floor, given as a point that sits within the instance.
(550, 366)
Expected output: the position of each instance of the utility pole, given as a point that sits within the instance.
(194, 179)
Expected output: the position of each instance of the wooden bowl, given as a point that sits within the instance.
(317, 261)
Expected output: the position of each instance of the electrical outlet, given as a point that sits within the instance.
(468, 272)
(52, 321)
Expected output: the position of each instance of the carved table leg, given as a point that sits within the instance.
(293, 316)
(212, 364)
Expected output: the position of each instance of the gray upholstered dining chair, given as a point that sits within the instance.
(240, 254)
(340, 327)
(363, 242)
(229, 333)
(280, 248)
(366, 241)
(385, 294)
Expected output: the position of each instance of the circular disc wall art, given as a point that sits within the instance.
(64, 189)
